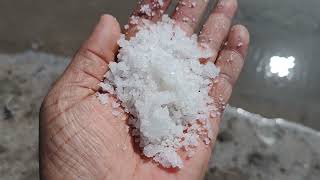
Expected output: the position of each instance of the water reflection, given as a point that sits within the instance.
(281, 66)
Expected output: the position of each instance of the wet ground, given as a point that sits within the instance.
(278, 29)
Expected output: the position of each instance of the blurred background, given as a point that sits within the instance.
(279, 80)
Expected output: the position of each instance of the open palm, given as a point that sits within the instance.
(81, 139)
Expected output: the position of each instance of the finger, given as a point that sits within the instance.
(188, 14)
(91, 61)
(87, 68)
(151, 9)
(146, 9)
(217, 26)
(230, 62)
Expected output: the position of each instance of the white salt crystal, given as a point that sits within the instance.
(103, 98)
(115, 113)
(161, 83)
(182, 3)
(107, 88)
(134, 20)
(190, 154)
(146, 9)
(115, 105)
(160, 2)
(210, 70)
(185, 19)
(240, 44)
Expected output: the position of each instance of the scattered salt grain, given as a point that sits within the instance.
(103, 98)
(160, 2)
(182, 3)
(115, 105)
(240, 44)
(190, 154)
(146, 9)
(107, 87)
(134, 20)
(185, 19)
(115, 113)
(162, 84)
(213, 114)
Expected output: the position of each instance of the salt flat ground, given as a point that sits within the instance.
(249, 146)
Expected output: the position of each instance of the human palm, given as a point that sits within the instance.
(81, 139)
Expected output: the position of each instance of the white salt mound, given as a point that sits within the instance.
(161, 83)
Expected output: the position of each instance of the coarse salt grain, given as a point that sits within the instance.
(185, 19)
(146, 9)
(115, 113)
(115, 105)
(161, 83)
(240, 44)
(103, 98)
(134, 20)
(160, 2)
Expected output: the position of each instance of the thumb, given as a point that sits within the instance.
(91, 61)
(86, 70)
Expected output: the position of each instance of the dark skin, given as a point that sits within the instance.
(81, 139)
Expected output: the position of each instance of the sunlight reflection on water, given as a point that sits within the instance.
(280, 66)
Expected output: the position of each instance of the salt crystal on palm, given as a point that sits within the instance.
(240, 44)
(134, 20)
(107, 87)
(103, 98)
(115, 105)
(162, 84)
(115, 113)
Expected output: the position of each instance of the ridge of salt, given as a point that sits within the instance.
(161, 83)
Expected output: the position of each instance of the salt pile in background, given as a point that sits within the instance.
(159, 80)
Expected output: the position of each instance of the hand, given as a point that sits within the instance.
(81, 139)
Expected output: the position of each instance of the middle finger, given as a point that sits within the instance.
(188, 14)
